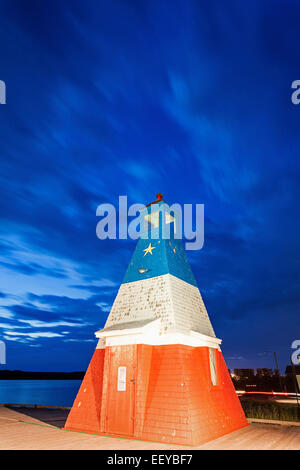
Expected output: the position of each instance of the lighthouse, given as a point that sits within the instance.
(158, 372)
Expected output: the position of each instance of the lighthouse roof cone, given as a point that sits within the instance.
(159, 288)
(158, 372)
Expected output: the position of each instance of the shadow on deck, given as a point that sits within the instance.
(51, 416)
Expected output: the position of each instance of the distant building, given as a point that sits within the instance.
(292, 373)
(264, 372)
(244, 373)
(289, 370)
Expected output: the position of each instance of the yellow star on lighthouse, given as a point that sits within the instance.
(149, 249)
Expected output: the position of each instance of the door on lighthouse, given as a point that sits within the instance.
(121, 390)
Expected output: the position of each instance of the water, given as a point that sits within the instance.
(39, 392)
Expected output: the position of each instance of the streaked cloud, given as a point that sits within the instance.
(187, 98)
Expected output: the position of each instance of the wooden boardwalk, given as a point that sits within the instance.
(22, 428)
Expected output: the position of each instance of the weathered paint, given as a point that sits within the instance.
(176, 303)
(169, 396)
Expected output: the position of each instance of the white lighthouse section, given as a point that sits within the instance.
(159, 310)
(188, 307)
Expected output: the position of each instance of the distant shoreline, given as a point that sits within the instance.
(19, 375)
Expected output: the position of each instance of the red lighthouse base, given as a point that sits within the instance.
(168, 396)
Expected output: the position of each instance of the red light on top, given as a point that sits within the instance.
(159, 197)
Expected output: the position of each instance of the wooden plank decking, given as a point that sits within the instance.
(23, 428)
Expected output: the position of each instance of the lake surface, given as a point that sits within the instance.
(39, 392)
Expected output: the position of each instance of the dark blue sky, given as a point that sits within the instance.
(190, 98)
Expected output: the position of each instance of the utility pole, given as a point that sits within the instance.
(277, 367)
